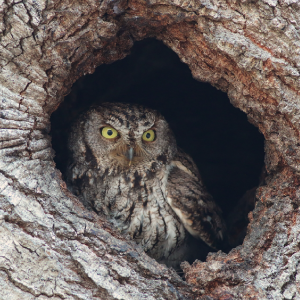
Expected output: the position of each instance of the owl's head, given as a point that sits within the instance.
(125, 136)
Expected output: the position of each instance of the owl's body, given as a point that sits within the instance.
(140, 180)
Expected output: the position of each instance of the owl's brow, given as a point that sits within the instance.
(113, 118)
(151, 124)
(110, 124)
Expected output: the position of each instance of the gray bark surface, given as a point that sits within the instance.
(51, 247)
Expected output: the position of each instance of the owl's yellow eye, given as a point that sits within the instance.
(109, 133)
(149, 135)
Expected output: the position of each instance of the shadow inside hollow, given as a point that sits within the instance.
(227, 149)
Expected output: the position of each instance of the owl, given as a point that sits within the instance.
(125, 164)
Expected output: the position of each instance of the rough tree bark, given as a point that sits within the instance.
(50, 246)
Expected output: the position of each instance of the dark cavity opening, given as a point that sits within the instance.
(227, 149)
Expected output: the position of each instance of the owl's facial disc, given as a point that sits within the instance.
(147, 137)
(127, 151)
(128, 155)
(128, 136)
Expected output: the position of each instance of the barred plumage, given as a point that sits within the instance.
(147, 188)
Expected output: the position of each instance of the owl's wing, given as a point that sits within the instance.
(194, 206)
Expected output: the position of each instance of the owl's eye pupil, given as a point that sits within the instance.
(109, 133)
(149, 136)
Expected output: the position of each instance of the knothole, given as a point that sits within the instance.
(227, 149)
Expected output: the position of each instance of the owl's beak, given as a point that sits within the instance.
(129, 154)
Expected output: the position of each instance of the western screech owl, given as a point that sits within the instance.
(127, 166)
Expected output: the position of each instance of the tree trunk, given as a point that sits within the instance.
(50, 245)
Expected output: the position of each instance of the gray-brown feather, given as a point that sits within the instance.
(192, 203)
(142, 198)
